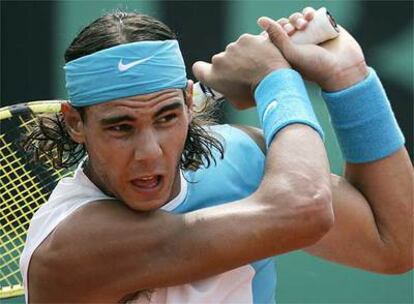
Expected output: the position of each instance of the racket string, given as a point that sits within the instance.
(24, 188)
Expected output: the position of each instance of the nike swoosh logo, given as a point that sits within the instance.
(124, 67)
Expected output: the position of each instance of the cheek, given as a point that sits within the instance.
(181, 133)
(107, 155)
(174, 140)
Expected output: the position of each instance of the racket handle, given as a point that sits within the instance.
(322, 28)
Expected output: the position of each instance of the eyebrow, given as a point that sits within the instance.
(170, 107)
(116, 119)
(121, 118)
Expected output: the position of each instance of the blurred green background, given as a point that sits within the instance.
(383, 28)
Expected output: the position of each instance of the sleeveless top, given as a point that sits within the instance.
(234, 177)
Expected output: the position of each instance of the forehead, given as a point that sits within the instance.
(147, 103)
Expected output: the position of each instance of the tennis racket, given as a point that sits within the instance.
(25, 186)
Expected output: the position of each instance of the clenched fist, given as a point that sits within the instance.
(237, 71)
(334, 65)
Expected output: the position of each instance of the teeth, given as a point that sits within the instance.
(146, 182)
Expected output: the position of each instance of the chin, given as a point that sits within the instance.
(146, 205)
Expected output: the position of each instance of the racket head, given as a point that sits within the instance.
(24, 187)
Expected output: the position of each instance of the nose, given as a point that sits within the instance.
(147, 146)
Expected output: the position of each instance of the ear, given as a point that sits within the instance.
(74, 123)
(189, 97)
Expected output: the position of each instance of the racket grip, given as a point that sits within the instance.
(320, 29)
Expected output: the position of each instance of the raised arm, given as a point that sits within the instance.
(105, 251)
(373, 203)
(373, 208)
(360, 237)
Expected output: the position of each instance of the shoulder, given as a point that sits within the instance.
(243, 135)
(255, 134)
(234, 176)
(242, 158)
(69, 195)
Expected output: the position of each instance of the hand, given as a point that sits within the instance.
(334, 65)
(237, 71)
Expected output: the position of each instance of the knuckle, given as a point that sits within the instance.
(245, 37)
(295, 16)
(288, 28)
(230, 47)
(283, 21)
(308, 13)
(216, 59)
(275, 32)
(308, 9)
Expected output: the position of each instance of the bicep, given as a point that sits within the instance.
(105, 248)
(354, 239)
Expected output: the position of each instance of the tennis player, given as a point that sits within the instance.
(167, 209)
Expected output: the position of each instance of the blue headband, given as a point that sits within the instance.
(125, 70)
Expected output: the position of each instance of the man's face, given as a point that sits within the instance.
(135, 144)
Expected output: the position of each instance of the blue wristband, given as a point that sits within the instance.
(281, 100)
(363, 121)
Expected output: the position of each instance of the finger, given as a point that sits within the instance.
(202, 71)
(283, 21)
(289, 29)
(264, 33)
(301, 24)
(308, 13)
(276, 33)
(294, 17)
(230, 47)
(298, 21)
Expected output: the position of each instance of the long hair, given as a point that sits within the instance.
(49, 139)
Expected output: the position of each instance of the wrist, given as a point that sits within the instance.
(282, 100)
(345, 78)
(363, 121)
(280, 67)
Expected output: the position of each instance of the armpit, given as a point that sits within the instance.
(255, 133)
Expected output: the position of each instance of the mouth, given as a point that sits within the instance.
(147, 183)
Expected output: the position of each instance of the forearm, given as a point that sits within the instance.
(296, 162)
(377, 163)
(387, 185)
(297, 166)
(355, 239)
(290, 210)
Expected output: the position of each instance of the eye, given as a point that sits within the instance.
(120, 128)
(167, 118)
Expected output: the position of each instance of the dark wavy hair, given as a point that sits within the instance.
(49, 139)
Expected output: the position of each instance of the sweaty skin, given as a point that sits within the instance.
(290, 210)
(131, 154)
(372, 204)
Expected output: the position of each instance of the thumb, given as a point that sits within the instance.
(202, 71)
(276, 34)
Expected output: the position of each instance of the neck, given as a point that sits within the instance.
(89, 172)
